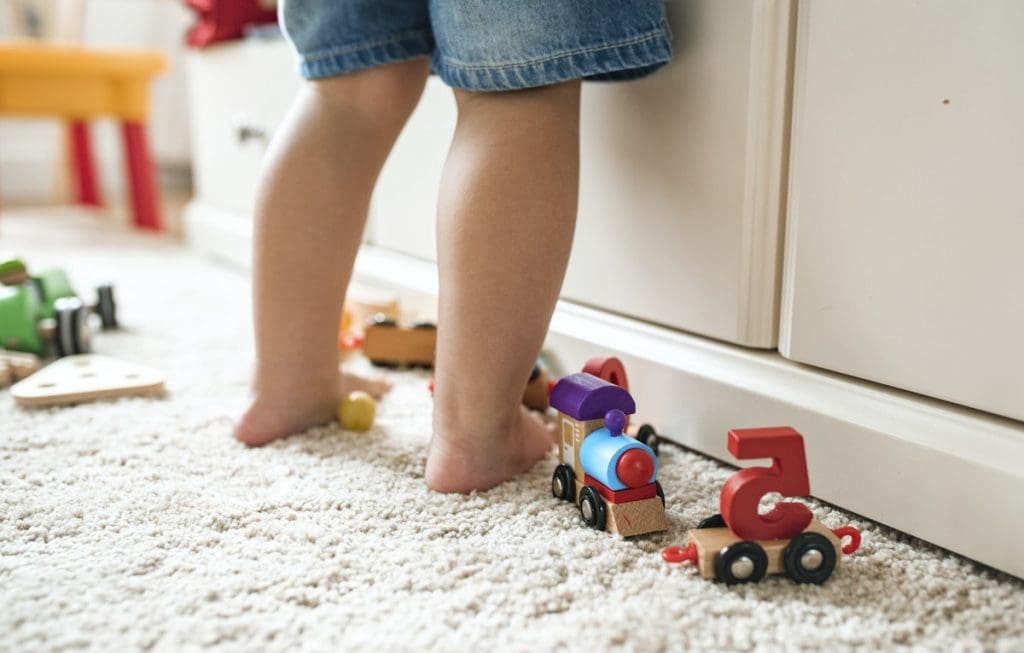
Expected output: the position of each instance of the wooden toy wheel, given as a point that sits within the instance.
(593, 509)
(809, 558)
(71, 335)
(743, 562)
(382, 320)
(714, 521)
(647, 435)
(562, 485)
(106, 307)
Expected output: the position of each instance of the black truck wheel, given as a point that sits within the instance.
(71, 335)
(563, 484)
(714, 521)
(743, 562)
(809, 558)
(647, 435)
(106, 307)
(593, 509)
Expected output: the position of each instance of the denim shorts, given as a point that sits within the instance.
(482, 45)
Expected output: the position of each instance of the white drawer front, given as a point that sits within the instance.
(906, 223)
(239, 94)
(681, 178)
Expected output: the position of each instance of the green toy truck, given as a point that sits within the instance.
(41, 313)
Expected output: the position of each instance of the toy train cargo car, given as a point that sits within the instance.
(388, 345)
(742, 544)
(809, 557)
(610, 476)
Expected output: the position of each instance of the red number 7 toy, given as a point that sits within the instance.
(740, 545)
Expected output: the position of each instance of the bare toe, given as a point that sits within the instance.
(375, 387)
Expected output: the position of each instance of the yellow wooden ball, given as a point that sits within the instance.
(356, 411)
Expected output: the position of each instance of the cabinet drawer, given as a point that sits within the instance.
(681, 178)
(903, 260)
(239, 94)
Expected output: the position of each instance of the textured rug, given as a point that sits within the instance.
(140, 524)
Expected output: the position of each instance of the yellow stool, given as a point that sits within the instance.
(80, 84)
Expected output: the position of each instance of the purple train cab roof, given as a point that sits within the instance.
(583, 396)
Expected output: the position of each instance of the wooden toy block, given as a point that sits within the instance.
(15, 366)
(363, 303)
(389, 345)
(12, 271)
(711, 541)
(637, 517)
(85, 377)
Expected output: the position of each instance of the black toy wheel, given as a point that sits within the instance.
(743, 562)
(647, 435)
(71, 335)
(714, 521)
(661, 493)
(106, 308)
(592, 508)
(809, 558)
(382, 320)
(391, 365)
(563, 484)
(424, 325)
(534, 374)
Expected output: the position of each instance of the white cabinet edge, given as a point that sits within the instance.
(792, 217)
(765, 176)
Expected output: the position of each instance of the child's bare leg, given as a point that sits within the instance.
(310, 215)
(505, 222)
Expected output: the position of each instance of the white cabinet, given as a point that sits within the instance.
(403, 213)
(239, 94)
(681, 178)
(906, 218)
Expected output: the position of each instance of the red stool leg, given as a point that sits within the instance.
(83, 165)
(145, 199)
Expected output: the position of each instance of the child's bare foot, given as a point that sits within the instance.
(294, 409)
(479, 461)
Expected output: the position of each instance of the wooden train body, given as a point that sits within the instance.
(610, 476)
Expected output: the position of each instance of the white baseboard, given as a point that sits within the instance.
(225, 235)
(949, 475)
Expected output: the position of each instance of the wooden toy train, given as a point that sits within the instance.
(613, 479)
(609, 475)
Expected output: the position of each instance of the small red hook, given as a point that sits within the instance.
(678, 554)
(850, 532)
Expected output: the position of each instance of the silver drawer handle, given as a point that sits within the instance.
(246, 130)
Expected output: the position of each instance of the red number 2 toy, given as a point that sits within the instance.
(742, 493)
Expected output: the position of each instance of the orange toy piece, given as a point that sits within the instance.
(78, 84)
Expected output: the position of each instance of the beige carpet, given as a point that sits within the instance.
(140, 524)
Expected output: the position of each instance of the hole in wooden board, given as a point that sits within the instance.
(46, 384)
(83, 362)
(87, 375)
(131, 375)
